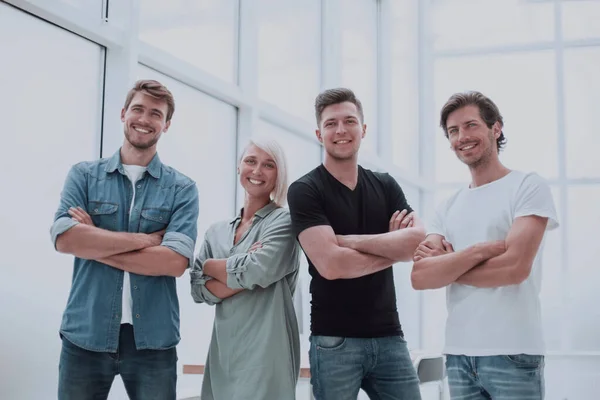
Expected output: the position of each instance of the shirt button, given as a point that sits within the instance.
(135, 287)
(139, 186)
(160, 218)
(137, 315)
(95, 210)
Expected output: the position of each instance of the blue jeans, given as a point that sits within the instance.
(382, 367)
(511, 377)
(88, 375)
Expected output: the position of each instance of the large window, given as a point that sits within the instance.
(50, 120)
(463, 24)
(359, 60)
(582, 99)
(202, 33)
(289, 54)
(523, 86)
(405, 85)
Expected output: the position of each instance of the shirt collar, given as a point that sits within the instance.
(262, 213)
(114, 163)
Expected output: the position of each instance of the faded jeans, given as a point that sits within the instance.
(510, 377)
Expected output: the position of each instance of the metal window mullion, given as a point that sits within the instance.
(247, 74)
(120, 73)
(384, 80)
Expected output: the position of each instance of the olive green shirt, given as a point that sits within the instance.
(254, 352)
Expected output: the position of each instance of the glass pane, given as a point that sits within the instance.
(202, 33)
(205, 153)
(51, 84)
(408, 299)
(214, 146)
(289, 54)
(359, 60)
(582, 97)
(580, 19)
(460, 24)
(405, 111)
(553, 288)
(584, 274)
(523, 86)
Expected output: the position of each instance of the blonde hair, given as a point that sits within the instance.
(273, 149)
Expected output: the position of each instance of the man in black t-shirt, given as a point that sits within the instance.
(353, 225)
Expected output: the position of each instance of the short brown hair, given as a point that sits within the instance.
(154, 89)
(336, 96)
(488, 111)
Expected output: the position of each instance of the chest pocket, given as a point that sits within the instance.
(154, 219)
(104, 215)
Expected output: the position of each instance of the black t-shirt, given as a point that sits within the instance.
(362, 307)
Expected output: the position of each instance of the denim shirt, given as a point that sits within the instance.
(164, 198)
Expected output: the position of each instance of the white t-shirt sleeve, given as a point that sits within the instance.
(534, 197)
(436, 224)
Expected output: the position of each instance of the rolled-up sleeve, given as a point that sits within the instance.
(278, 257)
(74, 194)
(198, 280)
(183, 226)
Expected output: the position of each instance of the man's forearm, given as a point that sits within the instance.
(217, 268)
(502, 270)
(151, 261)
(347, 263)
(220, 289)
(89, 242)
(440, 271)
(397, 245)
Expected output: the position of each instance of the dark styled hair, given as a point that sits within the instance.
(336, 96)
(488, 110)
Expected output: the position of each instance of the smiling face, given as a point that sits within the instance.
(258, 172)
(341, 130)
(473, 142)
(144, 121)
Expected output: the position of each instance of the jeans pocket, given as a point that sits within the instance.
(525, 360)
(329, 342)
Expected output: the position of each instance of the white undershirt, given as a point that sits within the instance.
(134, 173)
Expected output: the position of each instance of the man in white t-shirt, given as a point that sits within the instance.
(485, 244)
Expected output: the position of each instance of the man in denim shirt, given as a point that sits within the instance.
(131, 223)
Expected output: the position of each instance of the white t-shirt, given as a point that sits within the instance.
(503, 320)
(134, 173)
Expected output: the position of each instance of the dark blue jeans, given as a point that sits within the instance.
(88, 375)
(382, 367)
(511, 377)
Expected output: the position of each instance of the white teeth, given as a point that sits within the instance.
(468, 147)
(254, 182)
(142, 130)
(342, 142)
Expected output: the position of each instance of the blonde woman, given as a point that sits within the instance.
(248, 268)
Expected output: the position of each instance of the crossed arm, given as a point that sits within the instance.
(485, 265)
(353, 256)
(137, 253)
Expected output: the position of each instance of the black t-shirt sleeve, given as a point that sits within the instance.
(306, 209)
(396, 198)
